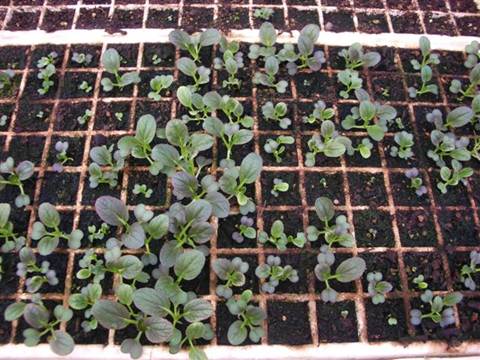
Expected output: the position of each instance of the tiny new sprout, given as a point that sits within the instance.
(471, 269)
(40, 115)
(276, 146)
(82, 58)
(156, 59)
(48, 232)
(452, 177)
(233, 272)
(85, 86)
(425, 70)
(111, 64)
(142, 189)
(41, 275)
(320, 113)
(273, 274)
(3, 120)
(6, 81)
(250, 320)
(119, 116)
(245, 230)
(420, 282)
(263, 13)
(10, 240)
(158, 84)
(61, 148)
(391, 320)
(416, 181)
(46, 65)
(378, 288)
(333, 233)
(278, 237)
(87, 115)
(348, 270)
(405, 143)
(278, 187)
(97, 234)
(16, 175)
(441, 309)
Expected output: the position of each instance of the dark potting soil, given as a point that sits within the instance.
(57, 20)
(373, 189)
(324, 184)
(288, 323)
(337, 322)
(429, 265)
(373, 228)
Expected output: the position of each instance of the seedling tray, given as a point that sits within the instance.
(395, 232)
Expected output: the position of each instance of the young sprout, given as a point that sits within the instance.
(245, 230)
(276, 146)
(267, 79)
(333, 233)
(373, 117)
(441, 309)
(391, 320)
(102, 156)
(328, 142)
(364, 148)
(279, 239)
(471, 269)
(377, 288)
(158, 84)
(143, 190)
(87, 115)
(405, 143)
(307, 56)
(40, 323)
(320, 113)
(263, 13)
(199, 74)
(46, 65)
(278, 187)
(194, 43)
(356, 58)
(416, 181)
(351, 80)
(473, 54)
(61, 148)
(16, 175)
(425, 70)
(48, 231)
(119, 116)
(41, 275)
(268, 37)
(277, 114)
(232, 61)
(233, 272)
(471, 91)
(250, 320)
(111, 64)
(82, 58)
(10, 240)
(452, 177)
(273, 273)
(348, 270)
(85, 86)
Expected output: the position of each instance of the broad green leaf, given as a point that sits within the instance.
(250, 168)
(197, 310)
(111, 61)
(176, 132)
(350, 269)
(61, 343)
(237, 333)
(111, 210)
(48, 215)
(158, 330)
(151, 302)
(189, 264)
(324, 209)
(110, 314)
(14, 311)
(146, 129)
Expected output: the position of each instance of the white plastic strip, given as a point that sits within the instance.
(36, 37)
(358, 351)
